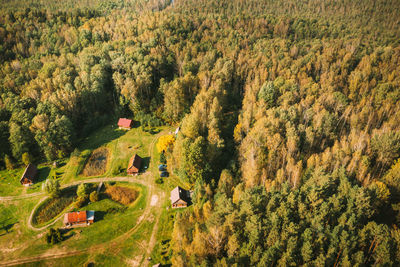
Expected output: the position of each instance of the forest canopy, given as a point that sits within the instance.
(288, 112)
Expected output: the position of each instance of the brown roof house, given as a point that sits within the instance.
(134, 165)
(29, 175)
(125, 124)
(180, 198)
(79, 218)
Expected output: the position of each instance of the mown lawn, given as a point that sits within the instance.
(10, 185)
(15, 234)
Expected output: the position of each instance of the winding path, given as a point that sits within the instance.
(145, 179)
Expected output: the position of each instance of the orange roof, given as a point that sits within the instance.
(124, 122)
(75, 217)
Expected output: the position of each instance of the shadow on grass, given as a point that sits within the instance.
(43, 173)
(7, 226)
(99, 215)
(145, 164)
(67, 233)
(102, 137)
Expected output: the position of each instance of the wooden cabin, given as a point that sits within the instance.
(134, 165)
(79, 218)
(29, 175)
(125, 124)
(180, 198)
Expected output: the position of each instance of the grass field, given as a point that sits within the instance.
(10, 185)
(121, 145)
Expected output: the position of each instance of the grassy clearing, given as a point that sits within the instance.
(121, 145)
(162, 250)
(78, 260)
(9, 182)
(15, 215)
(10, 185)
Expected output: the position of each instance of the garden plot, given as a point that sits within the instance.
(97, 163)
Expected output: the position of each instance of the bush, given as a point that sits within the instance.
(82, 191)
(9, 162)
(94, 197)
(80, 202)
(123, 195)
(159, 180)
(54, 236)
(51, 187)
(26, 158)
(163, 159)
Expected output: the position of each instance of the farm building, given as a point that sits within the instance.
(125, 124)
(180, 198)
(29, 175)
(134, 165)
(79, 218)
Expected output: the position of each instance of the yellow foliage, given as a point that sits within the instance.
(382, 190)
(165, 142)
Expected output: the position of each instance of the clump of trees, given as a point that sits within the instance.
(52, 187)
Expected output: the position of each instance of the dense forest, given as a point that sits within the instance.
(289, 114)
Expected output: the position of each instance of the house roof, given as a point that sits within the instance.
(124, 122)
(79, 216)
(30, 172)
(135, 161)
(179, 193)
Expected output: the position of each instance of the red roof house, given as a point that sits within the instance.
(134, 165)
(79, 218)
(125, 124)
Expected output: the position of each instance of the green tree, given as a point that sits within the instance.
(26, 158)
(94, 197)
(52, 187)
(82, 190)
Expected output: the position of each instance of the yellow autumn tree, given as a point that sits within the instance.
(165, 142)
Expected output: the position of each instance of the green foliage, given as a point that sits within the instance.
(8, 162)
(291, 226)
(82, 190)
(51, 187)
(163, 159)
(80, 202)
(94, 197)
(26, 158)
(268, 93)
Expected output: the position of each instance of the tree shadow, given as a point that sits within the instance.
(102, 137)
(66, 231)
(135, 124)
(99, 215)
(42, 175)
(7, 226)
(145, 164)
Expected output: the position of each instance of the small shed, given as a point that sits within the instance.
(125, 124)
(180, 198)
(29, 175)
(80, 218)
(134, 165)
